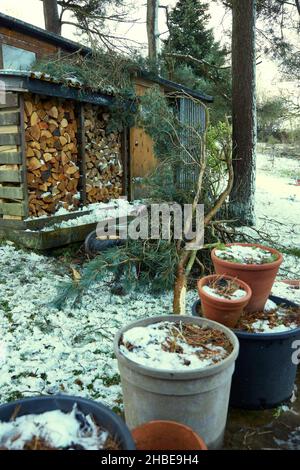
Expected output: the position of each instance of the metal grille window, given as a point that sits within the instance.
(191, 115)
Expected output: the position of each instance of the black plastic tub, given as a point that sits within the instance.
(264, 374)
(102, 415)
(93, 246)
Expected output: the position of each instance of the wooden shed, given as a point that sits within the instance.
(55, 150)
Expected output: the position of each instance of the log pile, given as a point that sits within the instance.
(51, 154)
(103, 157)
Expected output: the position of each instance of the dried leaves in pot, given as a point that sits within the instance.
(282, 315)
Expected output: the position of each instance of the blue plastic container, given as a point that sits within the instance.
(102, 415)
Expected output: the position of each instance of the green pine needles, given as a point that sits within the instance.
(138, 265)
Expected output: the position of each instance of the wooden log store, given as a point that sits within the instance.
(55, 150)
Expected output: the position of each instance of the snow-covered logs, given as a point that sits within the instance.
(103, 157)
(51, 154)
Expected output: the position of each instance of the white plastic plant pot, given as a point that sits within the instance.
(197, 398)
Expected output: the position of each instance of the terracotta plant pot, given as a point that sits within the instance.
(259, 277)
(292, 282)
(166, 435)
(225, 311)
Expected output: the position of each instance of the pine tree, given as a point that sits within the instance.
(193, 57)
(188, 29)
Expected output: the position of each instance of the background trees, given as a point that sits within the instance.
(193, 57)
(271, 114)
(93, 18)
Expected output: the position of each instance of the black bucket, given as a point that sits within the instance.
(264, 374)
(102, 415)
(93, 246)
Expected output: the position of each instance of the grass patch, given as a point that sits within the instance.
(109, 381)
(24, 375)
(16, 395)
(7, 310)
(286, 173)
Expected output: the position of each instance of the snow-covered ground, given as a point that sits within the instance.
(278, 206)
(45, 350)
(67, 351)
(278, 198)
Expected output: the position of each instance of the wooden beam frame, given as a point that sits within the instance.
(126, 182)
(81, 142)
(23, 154)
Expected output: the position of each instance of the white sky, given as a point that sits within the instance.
(31, 11)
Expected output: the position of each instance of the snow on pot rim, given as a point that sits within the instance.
(257, 335)
(173, 374)
(245, 266)
(223, 300)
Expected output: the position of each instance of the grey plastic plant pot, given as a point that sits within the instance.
(197, 398)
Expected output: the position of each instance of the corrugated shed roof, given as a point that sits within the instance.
(41, 83)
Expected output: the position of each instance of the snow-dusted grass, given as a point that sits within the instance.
(286, 291)
(277, 206)
(67, 351)
(278, 200)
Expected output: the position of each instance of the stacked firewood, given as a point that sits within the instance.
(51, 154)
(103, 157)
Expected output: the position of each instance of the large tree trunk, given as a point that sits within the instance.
(243, 110)
(152, 28)
(51, 16)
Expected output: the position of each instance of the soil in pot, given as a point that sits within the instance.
(61, 423)
(223, 298)
(179, 369)
(167, 435)
(252, 263)
(175, 345)
(276, 319)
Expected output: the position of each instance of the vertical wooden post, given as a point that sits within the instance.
(81, 152)
(23, 155)
(125, 162)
